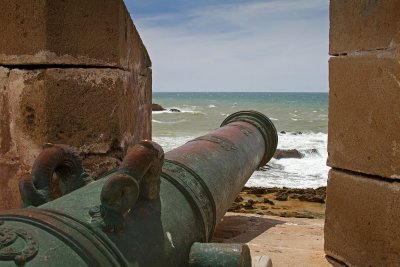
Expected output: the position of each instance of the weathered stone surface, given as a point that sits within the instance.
(363, 25)
(9, 167)
(9, 193)
(289, 242)
(364, 114)
(95, 110)
(74, 32)
(362, 220)
(101, 112)
(5, 134)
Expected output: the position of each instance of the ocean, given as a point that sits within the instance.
(301, 120)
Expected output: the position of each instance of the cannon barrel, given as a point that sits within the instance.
(154, 210)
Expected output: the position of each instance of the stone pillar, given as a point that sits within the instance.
(72, 72)
(362, 212)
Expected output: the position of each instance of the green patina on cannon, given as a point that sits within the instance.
(154, 210)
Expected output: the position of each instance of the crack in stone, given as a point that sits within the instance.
(395, 78)
(58, 66)
(380, 52)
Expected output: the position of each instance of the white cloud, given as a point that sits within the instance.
(265, 46)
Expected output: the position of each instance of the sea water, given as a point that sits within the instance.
(301, 120)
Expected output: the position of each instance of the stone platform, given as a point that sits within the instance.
(287, 241)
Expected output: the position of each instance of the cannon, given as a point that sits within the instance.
(153, 210)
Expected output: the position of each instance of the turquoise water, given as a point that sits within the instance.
(293, 113)
(202, 112)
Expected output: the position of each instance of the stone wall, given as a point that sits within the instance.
(362, 212)
(71, 72)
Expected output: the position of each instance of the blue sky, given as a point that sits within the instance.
(235, 45)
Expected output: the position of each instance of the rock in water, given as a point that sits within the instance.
(157, 107)
(174, 110)
(288, 153)
(311, 152)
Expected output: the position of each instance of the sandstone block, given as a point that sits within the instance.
(364, 114)
(9, 167)
(5, 134)
(363, 25)
(9, 193)
(95, 110)
(362, 220)
(100, 112)
(74, 32)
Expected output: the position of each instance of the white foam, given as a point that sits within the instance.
(185, 109)
(161, 112)
(168, 143)
(168, 122)
(310, 171)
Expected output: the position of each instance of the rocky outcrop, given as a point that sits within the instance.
(288, 153)
(292, 133)
(157, 107)
(71, 72)
(294, 153)
(284, 202)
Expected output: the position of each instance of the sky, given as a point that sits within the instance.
(235, 45)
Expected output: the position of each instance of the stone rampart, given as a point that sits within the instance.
(71, 72)
(362, 219)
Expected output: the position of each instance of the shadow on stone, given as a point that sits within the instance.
(242, 229)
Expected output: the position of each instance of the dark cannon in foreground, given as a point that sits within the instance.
(151, 211)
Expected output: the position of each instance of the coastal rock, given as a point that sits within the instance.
(286, 202)
(267, 201)
(288, 153)
(157, 107)
(174, 110)
(297, 214)
(238, 199)
(282, 196)
(264, 168)
(255, 190)
(249, 204)
(312, 198)
(312, 151)
(236, 207)
(292, 133)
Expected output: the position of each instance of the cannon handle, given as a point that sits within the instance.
(139, 174)
(38, 188)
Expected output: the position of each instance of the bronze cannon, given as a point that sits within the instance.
(154, 210)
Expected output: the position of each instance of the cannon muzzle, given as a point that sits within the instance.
(154, 210)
